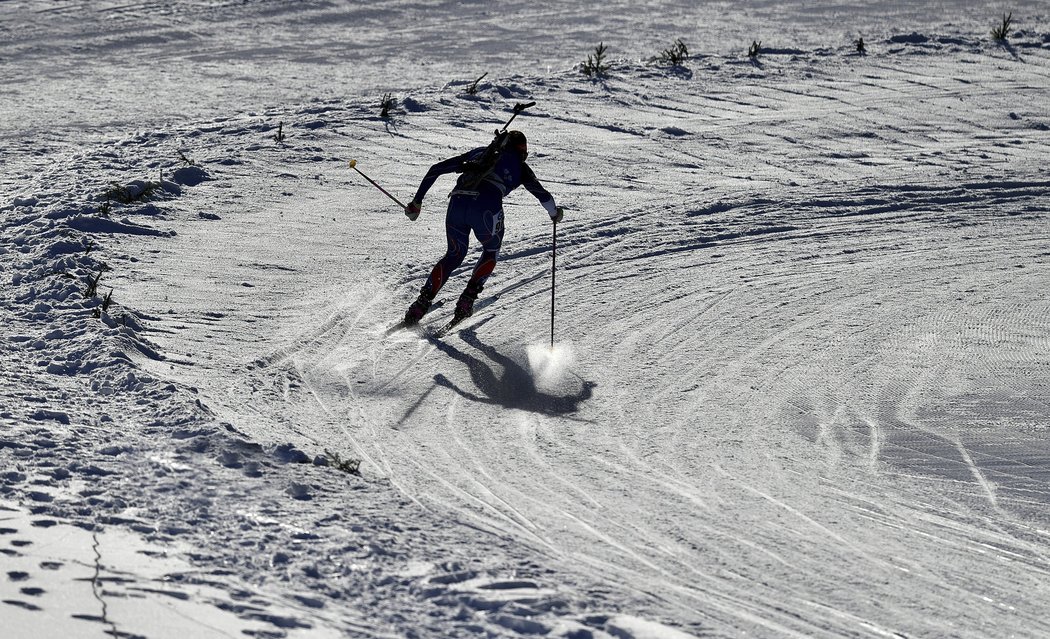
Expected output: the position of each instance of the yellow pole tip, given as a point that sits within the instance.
(353, 163)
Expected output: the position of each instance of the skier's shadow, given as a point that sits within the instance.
(506, 382)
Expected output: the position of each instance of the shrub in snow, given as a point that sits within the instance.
(185, 160)
(595, 65)
(676, 54)
(473, 88)
(1003, 30)
(388, 102)
(349, 466)
(134, 191)
(92, 287)
(754, 49)
(106, 302)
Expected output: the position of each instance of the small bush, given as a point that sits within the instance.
(349, 466)
(92, 287)
(388, 102)
(676, 54)
(754, 49)
(185, 160)
(1003, 30)
(279, 136)
(136, 191)
(473, 88)
(106, 301)
(595, 65)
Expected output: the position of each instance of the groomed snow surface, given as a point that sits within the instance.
(800, 384)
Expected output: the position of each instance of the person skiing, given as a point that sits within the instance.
(476, 204)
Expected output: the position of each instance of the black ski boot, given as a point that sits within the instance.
(465, 305)
(419, 307)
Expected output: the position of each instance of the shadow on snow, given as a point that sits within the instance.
(507, 383)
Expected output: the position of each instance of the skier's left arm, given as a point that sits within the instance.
(532, 185)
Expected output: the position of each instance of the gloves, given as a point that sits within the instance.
(556, 212)
(412, 210)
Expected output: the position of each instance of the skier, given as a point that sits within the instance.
(476, 203)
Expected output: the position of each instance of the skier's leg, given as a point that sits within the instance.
(490, 233)
(458, 242)
(491, 241)
(458, 236)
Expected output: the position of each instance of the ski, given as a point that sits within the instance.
(447, 328)
(400, 326)
(404, 324)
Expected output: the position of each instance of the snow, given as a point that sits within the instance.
(550, 364)
(799, 375)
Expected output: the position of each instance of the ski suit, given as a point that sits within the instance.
(480, 210)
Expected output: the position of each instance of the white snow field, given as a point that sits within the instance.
(801, 381)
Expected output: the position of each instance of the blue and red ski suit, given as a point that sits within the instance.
(478, 209)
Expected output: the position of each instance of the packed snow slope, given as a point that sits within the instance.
(801, 382)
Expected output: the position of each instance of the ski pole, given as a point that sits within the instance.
(353, 165)
(554, 263)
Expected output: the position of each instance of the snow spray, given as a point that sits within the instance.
(549, 364)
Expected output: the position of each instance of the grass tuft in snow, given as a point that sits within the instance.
(1003, 30)
(104, 308)
(388, 102)
(754, 49)
(549, 364)
(473, 88)
(92, 287)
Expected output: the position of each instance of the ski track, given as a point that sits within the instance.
(809, 320)
(786, 309)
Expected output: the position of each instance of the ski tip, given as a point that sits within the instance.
(403, 325)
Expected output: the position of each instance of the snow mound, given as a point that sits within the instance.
(630, 627)
(190, 176)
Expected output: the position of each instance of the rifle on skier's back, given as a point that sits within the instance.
(475, 171)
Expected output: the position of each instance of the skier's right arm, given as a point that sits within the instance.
(451, 165)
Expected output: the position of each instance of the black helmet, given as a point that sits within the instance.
(516, 140)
